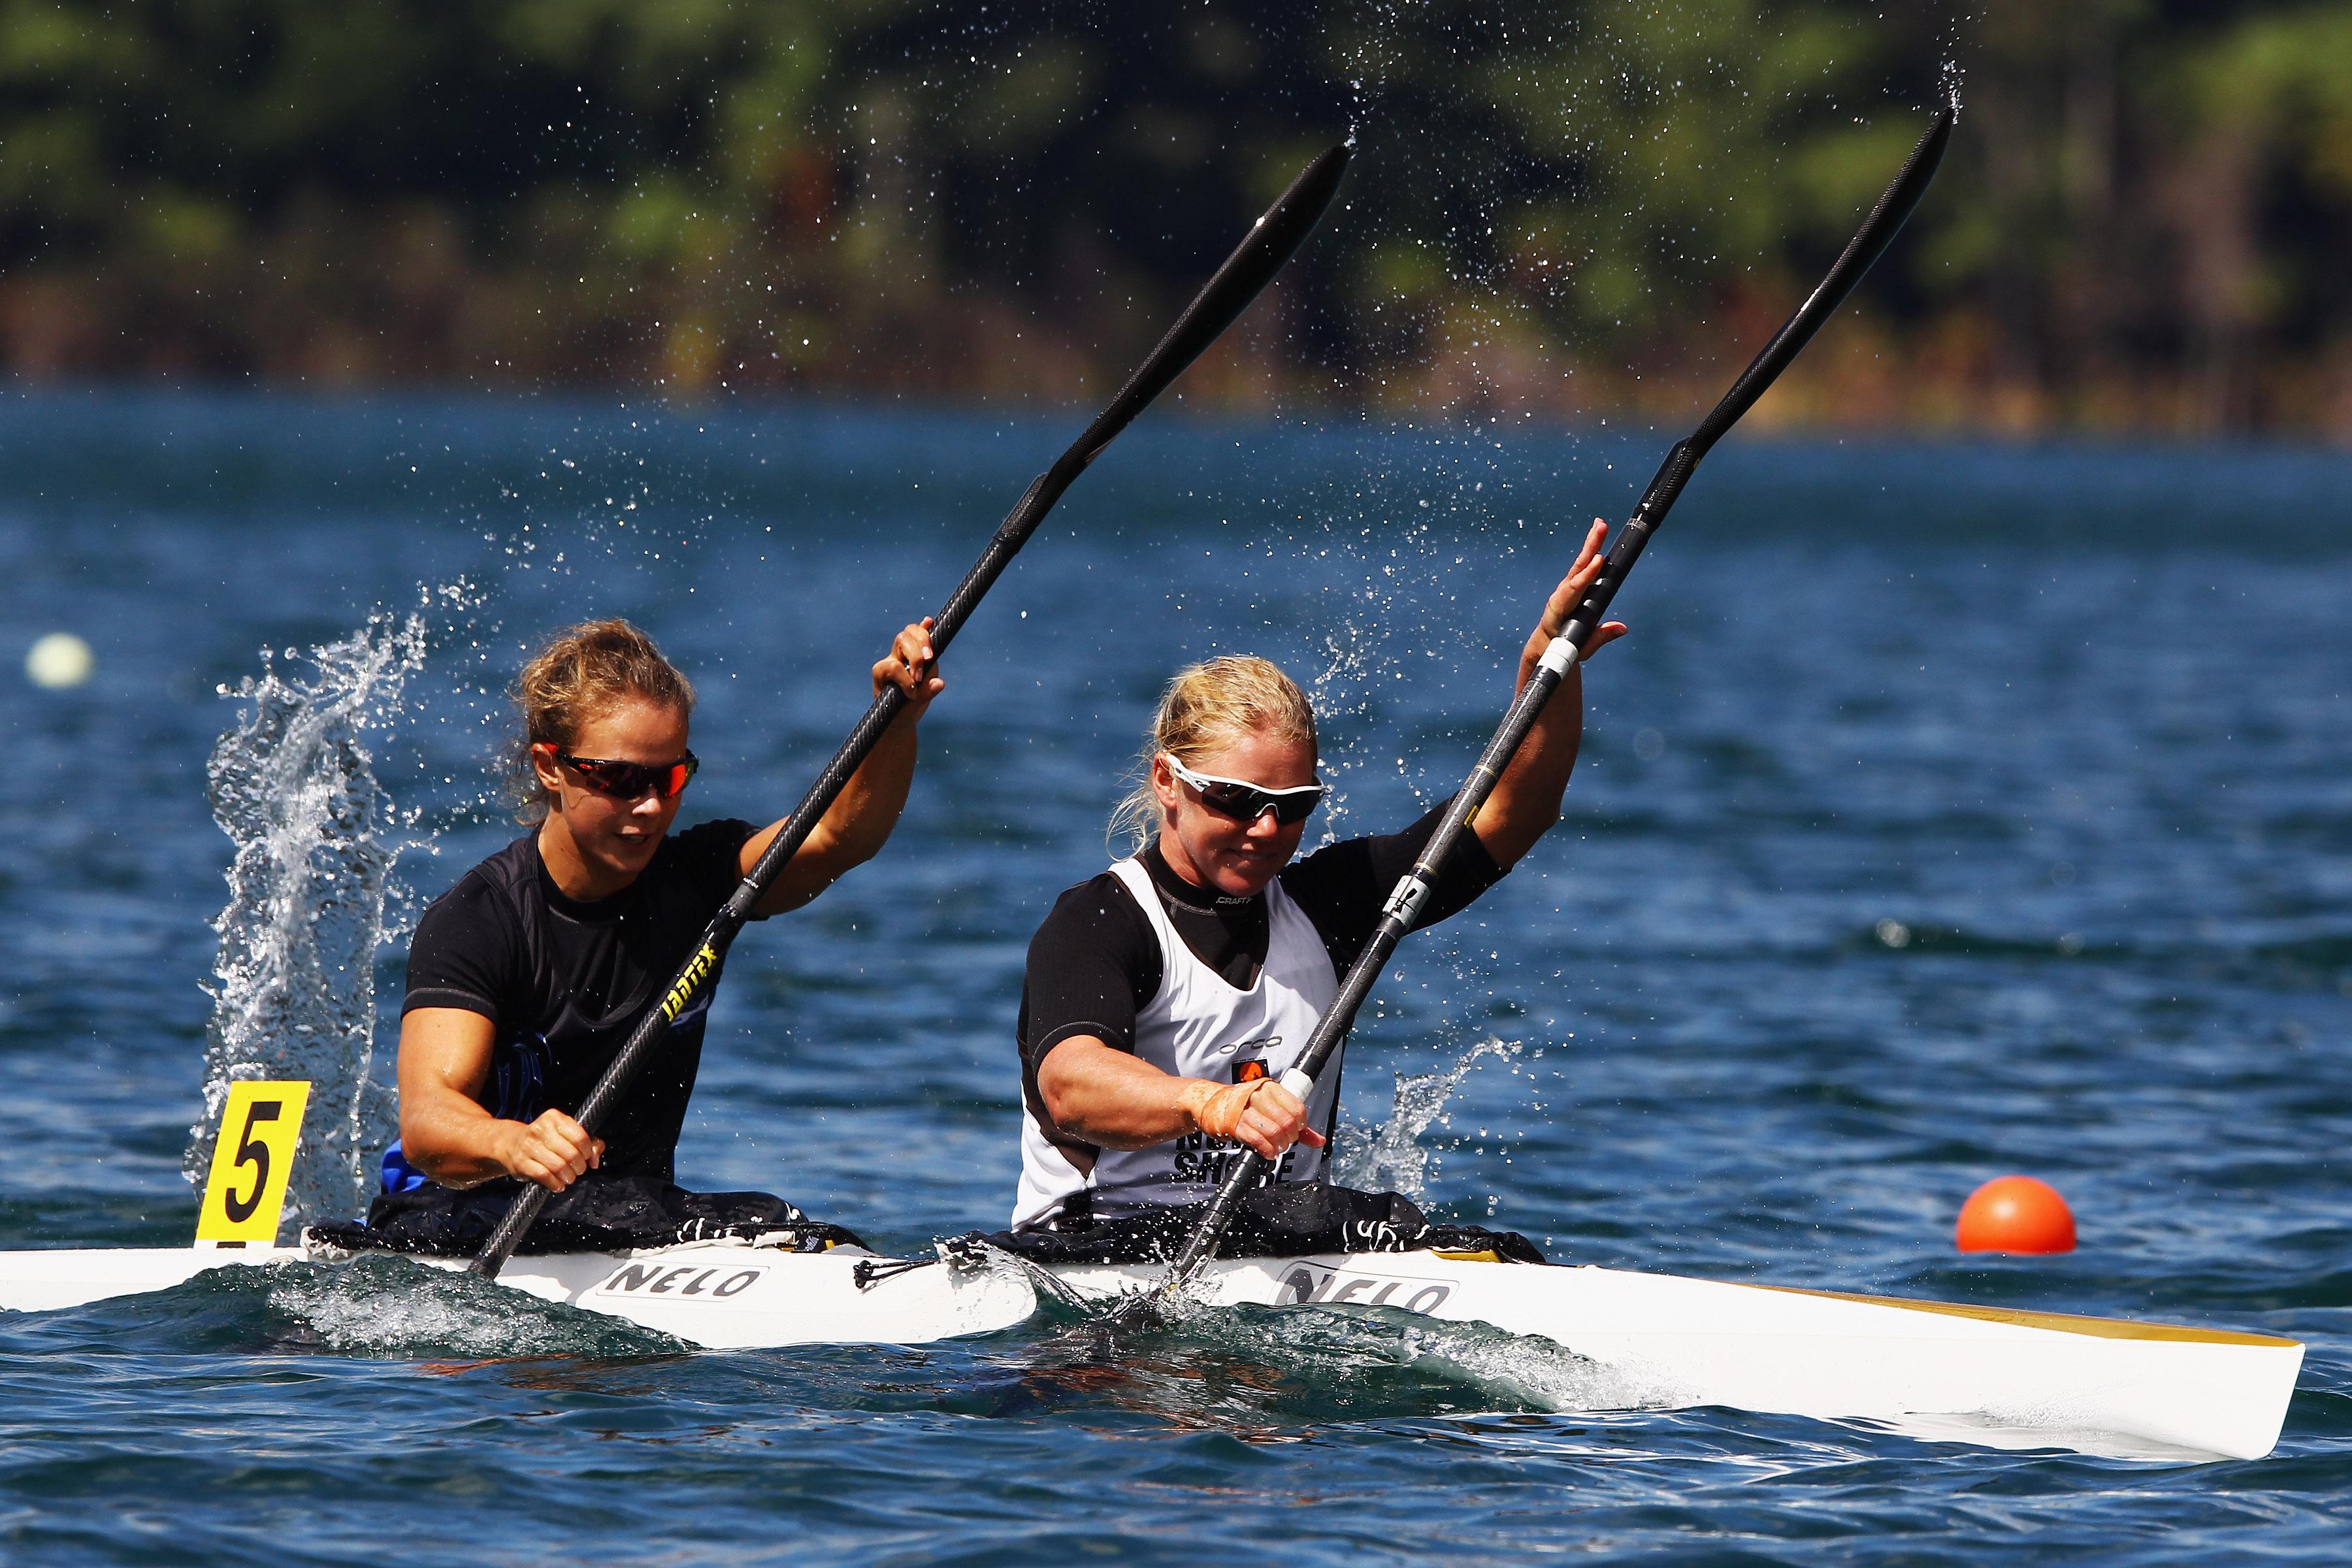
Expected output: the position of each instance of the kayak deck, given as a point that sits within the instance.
(1681, 1342)
(1815, 1352)
(727, 1294)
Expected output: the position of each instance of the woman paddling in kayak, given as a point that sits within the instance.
(1165, 997)
(526, 977)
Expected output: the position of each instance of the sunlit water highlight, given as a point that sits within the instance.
(1950, 812)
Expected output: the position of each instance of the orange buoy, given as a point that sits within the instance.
(2016, 1213)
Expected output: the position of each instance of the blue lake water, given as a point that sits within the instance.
(1951, 811)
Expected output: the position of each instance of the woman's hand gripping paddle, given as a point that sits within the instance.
(1405, 902)
(1269, 244)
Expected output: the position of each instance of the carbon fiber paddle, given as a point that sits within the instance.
(1404, 904)
(1269, 244)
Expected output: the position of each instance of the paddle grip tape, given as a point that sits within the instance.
(1404, 902)
(1559, 657)
(1298, 1084)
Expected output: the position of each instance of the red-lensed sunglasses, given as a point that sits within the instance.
(632, 781)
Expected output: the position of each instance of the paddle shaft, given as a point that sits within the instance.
(1244, 275)
(1412, 890)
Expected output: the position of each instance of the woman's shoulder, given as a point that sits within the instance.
(1103, 891)
(1101, 907)
(495, 878)
(479, 915)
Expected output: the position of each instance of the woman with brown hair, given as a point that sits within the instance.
(1166, 997)
(526, 977)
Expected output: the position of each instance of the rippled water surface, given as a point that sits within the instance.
(1951, 811)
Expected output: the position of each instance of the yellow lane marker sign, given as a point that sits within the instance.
(251, 1162)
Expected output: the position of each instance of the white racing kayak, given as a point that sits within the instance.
(1923, 1367)
(1927, 1368)
(727, 1294)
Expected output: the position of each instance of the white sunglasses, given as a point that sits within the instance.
(1246, 802)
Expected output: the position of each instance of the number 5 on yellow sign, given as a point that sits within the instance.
(251, 1162)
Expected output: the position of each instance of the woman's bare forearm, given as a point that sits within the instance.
(449, 1134)
(1115, 1101)
(859, 822)
(1525, 803)
(1111, 1098)
(451, 1138)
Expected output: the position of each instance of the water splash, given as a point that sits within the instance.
(1392, 1160)
(381, 1306)
(1250, 1369)
(1951, 76)
(291, 782)
(1338, 694)
(1512, 1371)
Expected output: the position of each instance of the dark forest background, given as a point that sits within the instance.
(1566, 209)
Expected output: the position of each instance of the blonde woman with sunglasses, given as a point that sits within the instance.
(526, 977)
(1165, 997)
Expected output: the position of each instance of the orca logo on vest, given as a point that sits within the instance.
(660, 1277)
(1247, 1051)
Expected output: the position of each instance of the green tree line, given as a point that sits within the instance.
(1568, 208)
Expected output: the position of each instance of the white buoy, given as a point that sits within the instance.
(58, 660)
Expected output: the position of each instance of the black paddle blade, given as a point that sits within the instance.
(1255, 261)
(1869, 241)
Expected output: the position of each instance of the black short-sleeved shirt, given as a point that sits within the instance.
(1094, 963)
(565, 981)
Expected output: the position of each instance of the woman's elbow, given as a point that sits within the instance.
(433, 1136)
(1064, 1093)
(828, 857)
(419, 1148)
(419, 1145)
(1508, 840)
(1061, 1105)
(416, 1143)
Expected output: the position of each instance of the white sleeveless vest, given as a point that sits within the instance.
(1199, 1026)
